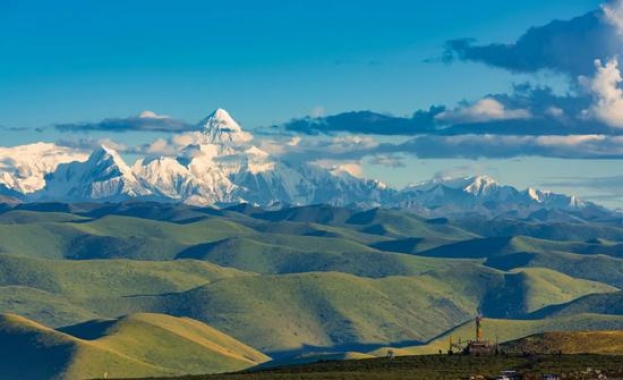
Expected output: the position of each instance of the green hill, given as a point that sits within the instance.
(609, 303)
(601, 268)
(285, 256)
(320, 311)
(505, 330)
(527, 290)
(570, 343)
(296, 283)
(438, 367)
(556, 231)
(286, 312)
(136, 346)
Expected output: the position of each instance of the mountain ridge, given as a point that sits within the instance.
(219, 165)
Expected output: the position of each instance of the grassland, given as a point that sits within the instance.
(138, 346)
(302, 282)
(437, 367)
(570, 342)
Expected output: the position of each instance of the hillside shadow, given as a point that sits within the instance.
(310, 350)
(91, 330)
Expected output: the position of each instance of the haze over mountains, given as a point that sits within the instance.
(220, 165)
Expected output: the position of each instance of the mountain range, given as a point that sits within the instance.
(221, 166)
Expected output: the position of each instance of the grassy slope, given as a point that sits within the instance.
(31, 351)
(610, 303)
(556, 231)
(605, 269)
(496, 246)
(570, 342)
(85, 279)
(39, 305)
(323, 310)
(289, 312)
(507, 330)
(257, 256)
(58, 293)
(440, 367)
(527, 290)
(284, 312)
(137, 346)
(379, 297)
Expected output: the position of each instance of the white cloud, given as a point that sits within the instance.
(351, 167)
(152, 115)
(613, 13)
(160, 147)
(496, 146)
(608, 95)
(318, 111)
(89, 144)
(484, 110)
(555, 112)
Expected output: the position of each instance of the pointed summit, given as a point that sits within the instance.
(105, 159)
(220, 128)
(104, 151)
(223, 117)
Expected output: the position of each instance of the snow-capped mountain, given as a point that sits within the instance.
(223, 166)
(23, 168)
(484, 196)
(221, 129)
(103, 177)
(219, 164)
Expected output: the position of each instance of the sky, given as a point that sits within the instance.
(401, 91)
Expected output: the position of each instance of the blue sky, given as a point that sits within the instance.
(268, 62)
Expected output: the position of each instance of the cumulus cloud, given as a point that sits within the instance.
(613, 13)
(90, 144)
(605, 87)
(351, 167)
(568, 47)
(554, 111)
(527, 110)
(146, 121)
(298, 149)
(484, 110)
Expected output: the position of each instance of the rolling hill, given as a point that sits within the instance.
(295, 282)
(570, 343)
(506, 330)
(137, 346)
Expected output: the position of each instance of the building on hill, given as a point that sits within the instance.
(478, 347)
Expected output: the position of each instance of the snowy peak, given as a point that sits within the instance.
(104, 176)
(481, 185)
(474, 185)
(23, 168)
(219, 165)
(220, 128)
(108, 157)
(482, 195)
(222, 118)
(471, 184)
